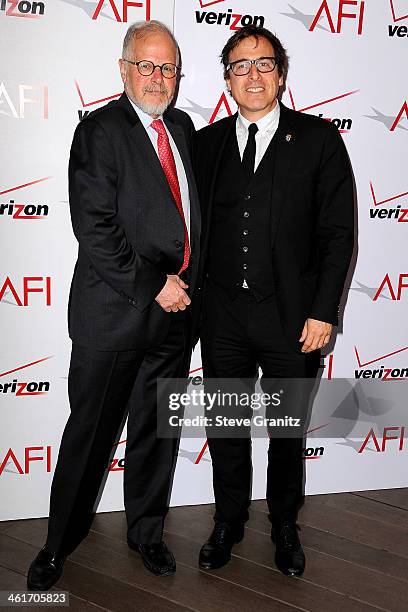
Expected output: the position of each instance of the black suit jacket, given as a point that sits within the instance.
(312, 214)
(129, 230)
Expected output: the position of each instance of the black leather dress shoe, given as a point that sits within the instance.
(44, 571)
(216, 552)
(289, 555)
(156, 557)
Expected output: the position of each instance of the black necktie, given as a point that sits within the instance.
(248, 159)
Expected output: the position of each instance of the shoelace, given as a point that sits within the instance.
(155, 548)
(220, 533)
(288, 536)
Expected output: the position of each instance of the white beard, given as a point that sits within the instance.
(152, 109)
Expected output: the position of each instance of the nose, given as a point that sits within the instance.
(254, 73)
(157, 73)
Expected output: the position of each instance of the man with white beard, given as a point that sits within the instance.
(135, 214)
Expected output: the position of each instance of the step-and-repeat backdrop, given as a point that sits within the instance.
(59, 62)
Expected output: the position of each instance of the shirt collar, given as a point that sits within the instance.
(265, 124)
(145, 119)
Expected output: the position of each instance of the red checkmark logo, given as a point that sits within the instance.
(205, 4)
(394, 16)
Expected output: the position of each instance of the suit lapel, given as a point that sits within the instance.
(143, 145)
(146, 151)
(229, 124)
(285, 138)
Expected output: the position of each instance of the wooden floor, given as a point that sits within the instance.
(356, 547)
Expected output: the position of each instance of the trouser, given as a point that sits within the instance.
(238, 335)
(104, 387)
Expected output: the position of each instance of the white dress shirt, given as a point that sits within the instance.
(146, 121)
(267, 127)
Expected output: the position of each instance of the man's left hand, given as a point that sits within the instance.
(315, 335)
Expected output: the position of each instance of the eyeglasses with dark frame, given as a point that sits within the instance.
(146, 68)
(243, 66)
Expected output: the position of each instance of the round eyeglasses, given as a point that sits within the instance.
(243, 67)
(146, 68)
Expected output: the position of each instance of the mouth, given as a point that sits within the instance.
(255, 89)
(156, 92)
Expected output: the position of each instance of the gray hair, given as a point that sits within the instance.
(141, 29)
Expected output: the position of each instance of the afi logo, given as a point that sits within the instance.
(222, 103)
(401, 112)
(384, 438)
(386, 284)
(18, 109)
(22, 461)
(391, 122)
(209, 113)
(30, 284)
(20, 389)
(123, 5)
(22, 8)
(343, 12)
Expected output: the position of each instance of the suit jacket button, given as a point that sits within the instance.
(178, 244)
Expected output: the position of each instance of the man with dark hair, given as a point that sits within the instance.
(135, 214)
(277, 207)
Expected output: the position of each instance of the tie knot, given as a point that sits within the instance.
(158, 125)
(252, 130)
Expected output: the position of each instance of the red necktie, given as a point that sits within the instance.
(169, 168)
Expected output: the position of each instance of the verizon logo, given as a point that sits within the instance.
(234, 21)
(382, 372)
(24, 388)
(22, 8)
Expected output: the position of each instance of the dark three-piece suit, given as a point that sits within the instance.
(288, 233)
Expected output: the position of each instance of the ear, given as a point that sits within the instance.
(228, 84)
(122, 68)
(280, 81)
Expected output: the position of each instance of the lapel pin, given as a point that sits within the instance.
(288, 137)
